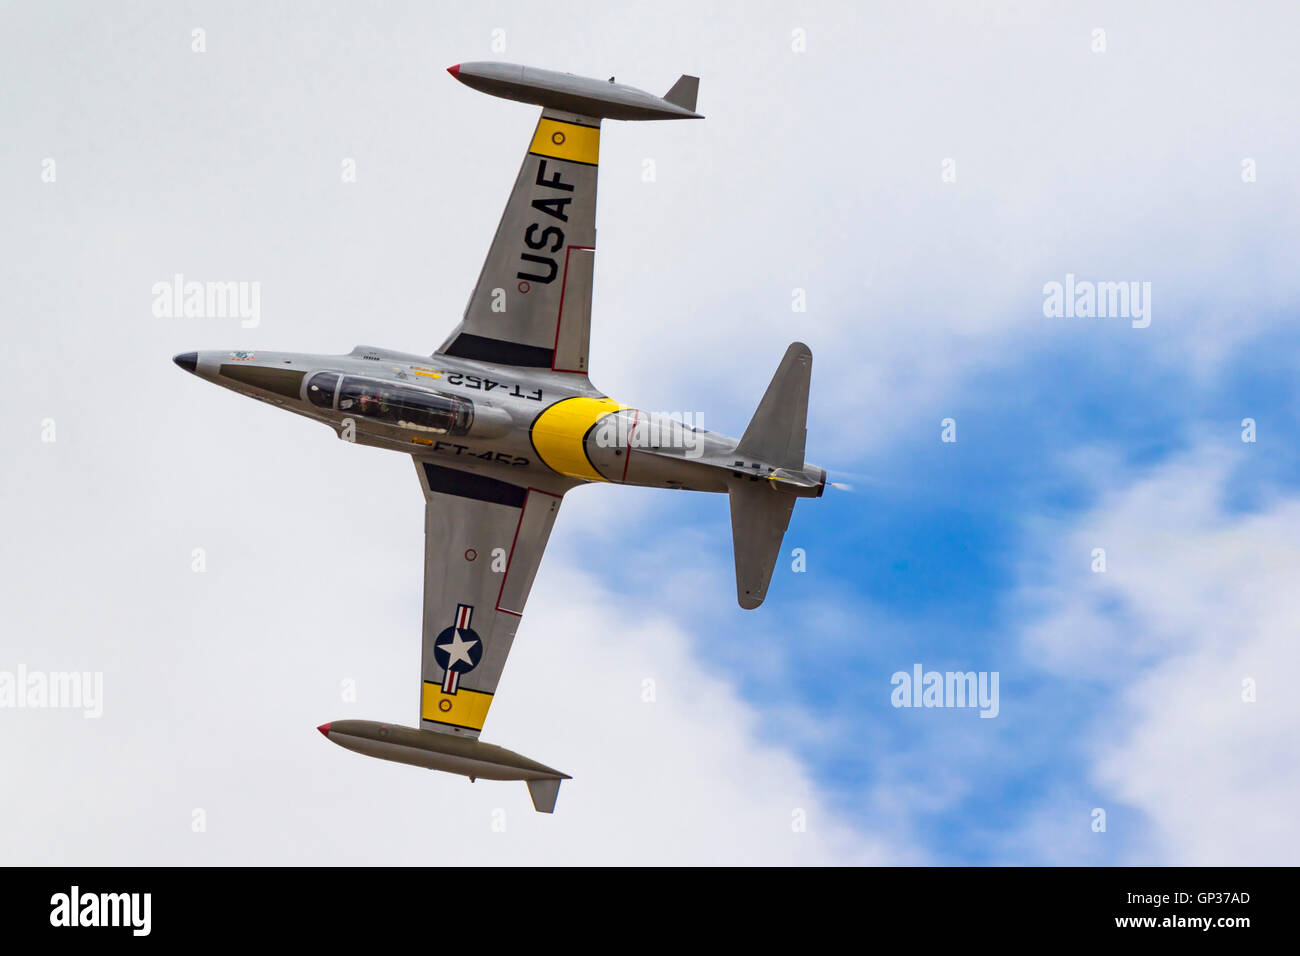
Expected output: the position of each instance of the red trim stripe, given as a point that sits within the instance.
(636, 418)
(513, 541)
(559, 315)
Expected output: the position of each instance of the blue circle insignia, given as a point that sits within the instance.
(458, 649)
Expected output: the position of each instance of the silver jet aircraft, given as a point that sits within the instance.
(502, 420)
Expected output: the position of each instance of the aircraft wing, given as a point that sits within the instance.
(483, 542)
(531, 305)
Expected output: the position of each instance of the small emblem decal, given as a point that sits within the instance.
(457, 649)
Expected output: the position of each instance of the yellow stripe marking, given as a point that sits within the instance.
(465, 708)
(558, 434)
(562, 140)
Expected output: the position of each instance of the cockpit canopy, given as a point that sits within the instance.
(402, 405)
(321, 388)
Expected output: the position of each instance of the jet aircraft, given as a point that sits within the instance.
(502, 420)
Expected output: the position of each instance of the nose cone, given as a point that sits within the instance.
(187, 360)
(454, 70)
(325, 729)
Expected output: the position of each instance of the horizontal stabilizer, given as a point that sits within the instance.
(778, 430)
(760, 510)
(759, 517)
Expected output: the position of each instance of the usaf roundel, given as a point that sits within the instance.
(458, 649)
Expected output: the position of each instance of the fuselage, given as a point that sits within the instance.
(510, 423)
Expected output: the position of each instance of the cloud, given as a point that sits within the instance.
(1196, 600)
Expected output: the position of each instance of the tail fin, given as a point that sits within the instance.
(760, 511)
(544, 793)
(684, 92)
(778, 430)
(759, 517)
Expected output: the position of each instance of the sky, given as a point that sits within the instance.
(1112, 528)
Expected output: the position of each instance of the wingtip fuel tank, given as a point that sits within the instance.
(580, 95)
(466, 756)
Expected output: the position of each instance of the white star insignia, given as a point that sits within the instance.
(457, 649)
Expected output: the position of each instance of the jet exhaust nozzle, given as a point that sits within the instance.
(805, 482)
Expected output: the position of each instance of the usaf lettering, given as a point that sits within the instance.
(536, 237)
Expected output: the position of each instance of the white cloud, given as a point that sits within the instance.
(1194, 601)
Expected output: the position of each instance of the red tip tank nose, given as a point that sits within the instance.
(454, 70)
(324, 729)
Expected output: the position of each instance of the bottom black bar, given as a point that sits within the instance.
(975, 906)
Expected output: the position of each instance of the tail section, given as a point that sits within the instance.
(759, 517)
(761, 504)
(778, 430)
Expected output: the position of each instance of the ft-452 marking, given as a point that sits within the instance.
(487, 384)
